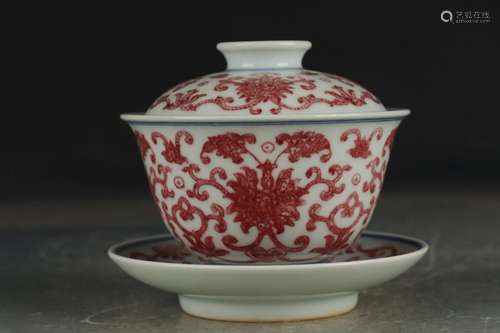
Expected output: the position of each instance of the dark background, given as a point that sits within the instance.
(73, 68)
(72, 181)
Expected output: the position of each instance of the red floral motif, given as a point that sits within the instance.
(359, 252)
(332, 188)
(260, 254)
(158, 173)
(361, 147)
(144, 146)
(229, 145)
(183, 213)
(377, 175)
(174, 252)
(184, 84)
(389, 142)
(264, 200)
(342, 79)
(304, 144)
(352, 209)
(346, 97)
(172, 150)
(159, 176)
(164, 253)
(330, 76)
(184, 101)
(259, 199)
(382, 251)
(262, 89)
(265, 203)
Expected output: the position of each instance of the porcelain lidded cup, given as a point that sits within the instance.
(266, 162)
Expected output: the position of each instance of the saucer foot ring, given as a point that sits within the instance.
(268, 308)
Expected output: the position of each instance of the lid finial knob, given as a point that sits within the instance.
(264, 54)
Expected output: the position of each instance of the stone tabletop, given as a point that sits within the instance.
(56, 277)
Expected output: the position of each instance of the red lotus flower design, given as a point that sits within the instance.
(265, 88)
(265, 196)
(230, 145)
(262, 92)
(361, 147)
(172, 152)
(258, 197)
(266, 202)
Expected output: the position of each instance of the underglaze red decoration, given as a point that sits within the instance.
(270, 90)
(381, 251)
(304, 144)
(266, 195)
(377, 175)
(229, 145)
(177, 253)
(172, 150)
(179, 182)
(389, 142)
(184, 84)
(259, 199)
(266, 202)
(164, 253)
(159, 176)
(358, 252)
(361, 147)
(183, 211)
(339, 237)
(356, 179)
(262, 88)
(345, 97)
(268, 147)
(144, 146)
(183, 101)
(329, 76)
(345, 81)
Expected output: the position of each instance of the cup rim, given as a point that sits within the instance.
(389, 114)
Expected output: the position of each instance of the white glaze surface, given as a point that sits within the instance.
(265, 54)
(271, 293)
(265, 78)
(281, 192)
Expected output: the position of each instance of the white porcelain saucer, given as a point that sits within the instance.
(268, 292)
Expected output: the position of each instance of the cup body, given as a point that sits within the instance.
(266, 192)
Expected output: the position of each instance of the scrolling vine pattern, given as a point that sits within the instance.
(265, 196)
(264, 92)
(174, 252)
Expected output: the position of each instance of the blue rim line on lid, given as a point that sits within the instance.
(266, 123)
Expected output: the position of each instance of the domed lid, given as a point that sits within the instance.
(265, 80)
